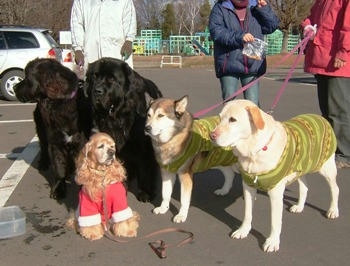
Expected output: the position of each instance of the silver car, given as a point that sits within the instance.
(18, 46)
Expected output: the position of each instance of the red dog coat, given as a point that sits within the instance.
(92, 213)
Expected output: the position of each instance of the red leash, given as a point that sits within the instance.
(300, 45)
(158, 246)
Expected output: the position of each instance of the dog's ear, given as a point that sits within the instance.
(117, 171)
(255, 115)
(181, 105)
(82, 174)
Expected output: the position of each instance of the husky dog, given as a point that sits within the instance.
(182, 146)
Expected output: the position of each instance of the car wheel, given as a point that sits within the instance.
(8, 81)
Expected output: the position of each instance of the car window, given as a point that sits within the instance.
(2, 42)
(51, 40)
(20, 40)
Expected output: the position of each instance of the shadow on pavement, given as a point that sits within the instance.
(203, 198)
(306, 80)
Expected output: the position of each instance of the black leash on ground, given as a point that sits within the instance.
(159, 247)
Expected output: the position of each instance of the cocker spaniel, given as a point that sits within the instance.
(62, 117)
(118, 98)
(101, 176)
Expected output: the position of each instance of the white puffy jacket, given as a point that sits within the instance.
(100, 28)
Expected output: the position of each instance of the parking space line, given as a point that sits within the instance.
(276, 79)
(17, 170)
(16, 104)
(15, 121)
(9, 155)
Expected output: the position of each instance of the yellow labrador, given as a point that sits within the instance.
(273, 154)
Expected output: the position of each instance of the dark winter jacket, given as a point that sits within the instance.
(227, 34)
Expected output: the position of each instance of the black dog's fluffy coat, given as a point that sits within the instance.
(62, 117)
(117, 95)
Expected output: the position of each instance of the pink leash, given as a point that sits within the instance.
(302, 44)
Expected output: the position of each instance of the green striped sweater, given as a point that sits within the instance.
(212, 155)
(310, 143)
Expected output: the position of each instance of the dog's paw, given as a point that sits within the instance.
(144, 196)
(58, 191)
(127, 228)
(180, 218)
(160, 210)
(333, 213)
(94, 232)
(221, 192)
(271, 244)
(240, 233)
(296, 209)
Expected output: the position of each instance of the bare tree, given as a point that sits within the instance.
(149, 12)
(191, 14)
(180, 15)
(13, 11)
(290, 13)
(54, 15)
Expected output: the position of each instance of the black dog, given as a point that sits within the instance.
(119, 108)
(61, 117)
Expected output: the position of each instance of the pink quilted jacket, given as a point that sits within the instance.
(332, 38)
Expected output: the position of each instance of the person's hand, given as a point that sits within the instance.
(310, 30)
(126, 49)
(79, 58)
(248, 37)
(262, 3)
(338, 63)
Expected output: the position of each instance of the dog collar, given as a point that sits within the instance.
(74, 93)
(265, 147)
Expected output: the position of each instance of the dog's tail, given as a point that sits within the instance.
(152, 89)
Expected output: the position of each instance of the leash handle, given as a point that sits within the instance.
(300, 44)
(159, 250)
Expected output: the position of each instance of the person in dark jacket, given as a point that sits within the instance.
(233, 23)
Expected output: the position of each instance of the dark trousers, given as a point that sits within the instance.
(334, 102)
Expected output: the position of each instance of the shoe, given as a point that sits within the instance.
(342, 164)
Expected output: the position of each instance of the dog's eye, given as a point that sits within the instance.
(231, 120)
(160, 115)
(101, 146)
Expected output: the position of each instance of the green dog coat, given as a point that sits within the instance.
(212, 155)
(310, 143)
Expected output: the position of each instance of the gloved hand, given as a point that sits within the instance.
(309, 29)
(79, 58)
(126, 50)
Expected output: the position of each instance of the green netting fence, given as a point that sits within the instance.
(275, 39)
(150, 42)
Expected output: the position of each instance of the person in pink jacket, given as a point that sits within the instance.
(327, 56)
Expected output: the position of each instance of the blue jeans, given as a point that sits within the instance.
(229, 85)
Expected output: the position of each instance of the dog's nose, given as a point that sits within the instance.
(148, 129)
(110, 152)
(213, 135)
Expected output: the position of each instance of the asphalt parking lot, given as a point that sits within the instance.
(307, 239)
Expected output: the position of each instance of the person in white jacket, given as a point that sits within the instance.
(102, 28)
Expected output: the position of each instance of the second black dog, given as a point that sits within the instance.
(118, 100)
